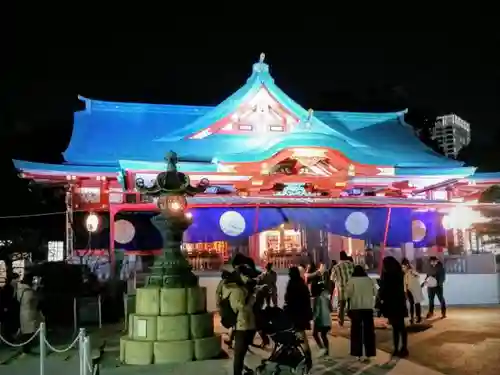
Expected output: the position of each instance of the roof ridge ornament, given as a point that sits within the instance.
(261, 66)
(310, 113)
(171, 181)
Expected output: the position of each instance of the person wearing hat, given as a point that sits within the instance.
(434, 281)
(233, 289)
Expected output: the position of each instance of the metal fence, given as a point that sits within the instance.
(81, 341)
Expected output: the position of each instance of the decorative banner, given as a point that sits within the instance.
(229, 224)
(135, 232)
(124, 231)
(426, 228)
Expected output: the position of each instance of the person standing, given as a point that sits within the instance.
(393, 304)
(331, 283)
(413, 291)
(435, 282)
(9, 308)
(341, 274)
(235, 296)
(361, 292)
(227, 275)
(298, 309)
(269, 278)
(29, 315)
(322, 320)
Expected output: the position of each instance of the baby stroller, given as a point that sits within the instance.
(287, 356)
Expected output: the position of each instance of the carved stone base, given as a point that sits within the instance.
(170, 326)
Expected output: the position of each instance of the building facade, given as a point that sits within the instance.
(452, 134)
(276, 170)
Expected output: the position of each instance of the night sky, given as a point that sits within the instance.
(429, 73)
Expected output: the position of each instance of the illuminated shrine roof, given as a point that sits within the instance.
(106, 132)
(109, 137)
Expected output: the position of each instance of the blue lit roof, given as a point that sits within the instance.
(110, 133)
(64, 169)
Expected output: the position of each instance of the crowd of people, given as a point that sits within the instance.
(246, 297)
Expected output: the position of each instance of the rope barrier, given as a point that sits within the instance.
(56, 350)
(82, 341)
(14, 345)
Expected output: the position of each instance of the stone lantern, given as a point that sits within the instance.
(170, 323)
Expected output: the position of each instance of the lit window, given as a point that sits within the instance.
(246, 127)
(56, 251)
(276, 128)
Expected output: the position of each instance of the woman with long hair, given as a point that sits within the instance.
(361, 293)
(298, 309)
(393, 304)
(413, 291)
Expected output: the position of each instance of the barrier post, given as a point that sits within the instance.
(81, 338)
(99, 310)
(42, 348)
(75, 315)
(86, 357)
(125, 311)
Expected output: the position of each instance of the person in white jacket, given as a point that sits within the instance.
(413, 291)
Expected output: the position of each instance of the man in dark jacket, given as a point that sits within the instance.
(435, 280)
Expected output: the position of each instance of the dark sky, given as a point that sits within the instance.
(429, 72)
(434, 72)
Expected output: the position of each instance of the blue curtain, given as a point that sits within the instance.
(399, 227)
(146, 236)
(226, 224)
(238, 223)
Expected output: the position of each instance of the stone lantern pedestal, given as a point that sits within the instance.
(170, 325)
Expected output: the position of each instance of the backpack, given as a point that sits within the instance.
(228, 316)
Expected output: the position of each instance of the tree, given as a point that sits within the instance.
(491, 229)
(483, 156)
(491, 195)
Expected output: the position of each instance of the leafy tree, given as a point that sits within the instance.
(492, 227)
(491, 195)
(483, 156)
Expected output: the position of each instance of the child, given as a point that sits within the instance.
(322, 309)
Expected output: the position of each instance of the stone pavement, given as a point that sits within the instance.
(466, 343)
(337, 364)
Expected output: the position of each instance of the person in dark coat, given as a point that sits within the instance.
(9, 308)
(298, 309)
(393, 304)
(435, 281)
(314, 280)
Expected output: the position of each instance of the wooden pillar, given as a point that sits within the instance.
(69, 237)
(112, 255)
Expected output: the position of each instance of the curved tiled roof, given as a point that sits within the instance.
(106, 132)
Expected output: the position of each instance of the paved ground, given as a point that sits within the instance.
(466, 343)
